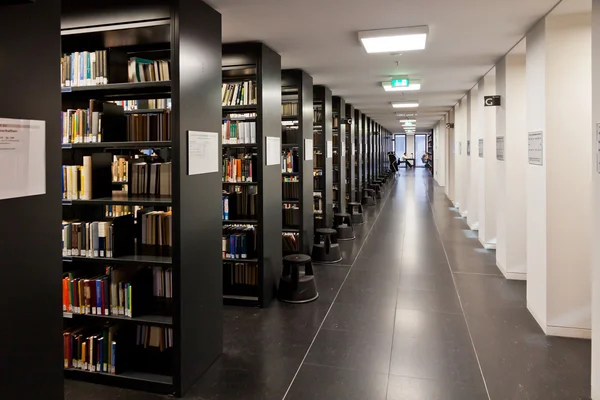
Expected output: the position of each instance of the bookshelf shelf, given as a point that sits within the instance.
(179, 304)
(323, 134)
(251, 69)
(129, 379)
(117, 145)
(349, 150)
(157, 320)
(119, 89)
(123, 200)
(135, 259)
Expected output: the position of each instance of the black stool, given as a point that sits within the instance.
(296, 286)
(343, 225)
(368, 197)
(327, 251)
(378, 187)
(356, 212)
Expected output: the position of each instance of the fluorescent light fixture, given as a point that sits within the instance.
(405, 104)
(413, 85)
(393, 40)
(408, 121)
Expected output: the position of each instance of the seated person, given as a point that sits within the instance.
(405, 159)
(393, 161)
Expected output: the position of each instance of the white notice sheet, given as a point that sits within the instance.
(22, 158)
(308, 149)
(329, 149)
(203, 152)
(273, 151)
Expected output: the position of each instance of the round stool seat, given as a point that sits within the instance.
(353, 204)
(297, 258)
(341, 214)
(326, 231)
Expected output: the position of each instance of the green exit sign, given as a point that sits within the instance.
(400, 82)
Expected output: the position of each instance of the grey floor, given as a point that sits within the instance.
(417, 310)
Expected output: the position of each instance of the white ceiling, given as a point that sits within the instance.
(466, 38)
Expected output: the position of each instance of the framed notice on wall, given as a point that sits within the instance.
(480, 148)
(500, 148)
(536, 148)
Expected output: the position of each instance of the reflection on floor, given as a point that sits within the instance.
(416, 310)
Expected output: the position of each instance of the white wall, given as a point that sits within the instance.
(511, 123)
(594, 149)
(410, 144)
(460, 134)
(439, 152)
(558, 198)
(474, 167)
(450, 151)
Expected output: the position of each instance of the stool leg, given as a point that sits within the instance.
(308, 269)
(327, 244)
(295, 276)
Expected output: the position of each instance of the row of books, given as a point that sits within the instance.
(77, 180)
(290, 189)
(111, 211)
(238, 94)
(92, 349)
(82, 125)
(151, 178)
(289, 109)
(149, 126)
(291, 215)
(88, 239)
(157, 231)
(290, 242)
(318, 159)
(120, 168)
(241, 168)
(163, 282)
(143, 70)
(240, 202)
(242, 273)
(152, 104)
(238, 132)
(290, 161)
(159, 337)
(85, 68)
(239, 242)
(290, 135)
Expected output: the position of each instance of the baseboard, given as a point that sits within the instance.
(513, 276)
(474, 227)
(464, 214)
(575, 333)
(489, 246)
(562, 331)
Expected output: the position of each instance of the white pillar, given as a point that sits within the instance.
(487, 172)
(558, 196)
(473, 137)
(460, 134)
(439, 153)
(511, 125)
(595, 148)
(450, 151)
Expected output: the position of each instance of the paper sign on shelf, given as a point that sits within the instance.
(308, 149)
(22, 158)
(273, 153)
(203, 152)
(329, 149)
(536, 148)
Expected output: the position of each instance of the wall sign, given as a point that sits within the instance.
(273, 153)
(203, 152)
(468, 147)
(491, 101)
(536, 148)
(500, 148)
(22, 158)
(480, 148)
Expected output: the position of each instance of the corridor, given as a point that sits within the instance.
(417, 310)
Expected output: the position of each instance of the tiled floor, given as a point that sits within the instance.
(417, 310)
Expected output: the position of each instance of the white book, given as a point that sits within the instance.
(87, 178)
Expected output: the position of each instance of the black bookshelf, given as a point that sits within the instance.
(430, 150)
(297, 128)
(350, 155)
(186, 33)
(359, 157)
(322, 164)
(255, 62)
(365, 152)
(377, 152)
(30, 243)
(339, 154)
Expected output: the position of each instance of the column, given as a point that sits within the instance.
(460, 134)
(511, 131)
(558, 221)
(595, 149)
(439, 152)
(450, 156)
(487, 163)
(473, 159)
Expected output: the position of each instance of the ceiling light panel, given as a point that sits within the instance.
(405, 104)
(387, 86)
(394, 40)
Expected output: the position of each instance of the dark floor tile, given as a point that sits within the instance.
(443, 301)
(483, 294)
(377, 263)
(383, 295)
(426, 281)
(433, 326)
(357, 350)
(351, 317)
(405, 388)
(435, 359)
(325, 383)
(383, 274)
(244, 376)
